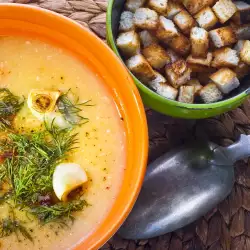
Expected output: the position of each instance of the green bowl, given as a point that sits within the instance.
(163, 105)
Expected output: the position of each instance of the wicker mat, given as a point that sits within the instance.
(228, 225)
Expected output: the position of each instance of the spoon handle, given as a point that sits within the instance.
(239, 150)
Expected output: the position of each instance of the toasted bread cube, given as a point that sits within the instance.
(196, 83)
(186, 94)
(206, 18)
(184, 21)
(210, 93)
(147, 38)
(242, 31)
(126, 21)
(173, 56)
(238, 46)
(201, 61)
(224, 10)
(199, 42)
(156, 56)
(178, 73)
(159, 6)
(225, 79)
(180, 44)
(133, 5)
(223, 36)
(159, 79)
(167, 91)
(166, 29)
(243, 14)
(198, 68)
(245, 52)
(128, 43)
(139, 66)
(194, 6)
(146, 18)
(159, 84)
(173, 9)
(225, 57)
(242, 70)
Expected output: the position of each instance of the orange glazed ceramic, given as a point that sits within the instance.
(48, 26)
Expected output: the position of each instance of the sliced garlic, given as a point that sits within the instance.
(66, 178)
(41, 102)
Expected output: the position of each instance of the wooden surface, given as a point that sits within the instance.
(227, 227)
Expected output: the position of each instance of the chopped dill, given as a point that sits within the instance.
(27, 164)
(71, 109)
(47, 214)
(9, 106)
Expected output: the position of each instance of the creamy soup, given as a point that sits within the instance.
(30, 65)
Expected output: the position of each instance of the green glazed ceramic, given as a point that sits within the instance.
(163, 105)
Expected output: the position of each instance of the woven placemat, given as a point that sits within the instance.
(227, 227)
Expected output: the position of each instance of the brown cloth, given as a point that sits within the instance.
(227, 227)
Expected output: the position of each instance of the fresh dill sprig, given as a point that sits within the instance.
(62, 210)
(71, 109)
(31, 168)
(9, 106)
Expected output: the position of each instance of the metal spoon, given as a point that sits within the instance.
(183, 185)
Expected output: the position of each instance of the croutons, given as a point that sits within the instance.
(223, 36)
(126, 21)
(180, 44)
(139, 66)
(225, 57)
(199, 42)
(147, 38)
(173, 56)
(166, 29)
(128, 43)
(201, 61)
(173, 8)
(156, 56)
(159, 84)
(194, 6)
(238, 46)
(196, 84)
(146, 18)
(225, 79)
(159, 6)
(178, 73)
(184, 21)
(245, 52)
(186, 94)
(133, 5)
(243, 14)
(210, 93)
(224, 10)
(198, 68)
(206, 18)
(242, 70)
(159, 79)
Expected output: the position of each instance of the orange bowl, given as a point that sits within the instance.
(48, 26)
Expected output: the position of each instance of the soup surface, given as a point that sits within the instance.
(27, 64)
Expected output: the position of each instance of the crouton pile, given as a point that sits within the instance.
(191, 51)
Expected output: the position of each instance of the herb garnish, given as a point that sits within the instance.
(71, 108)
(28, 161)
(9, 106)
